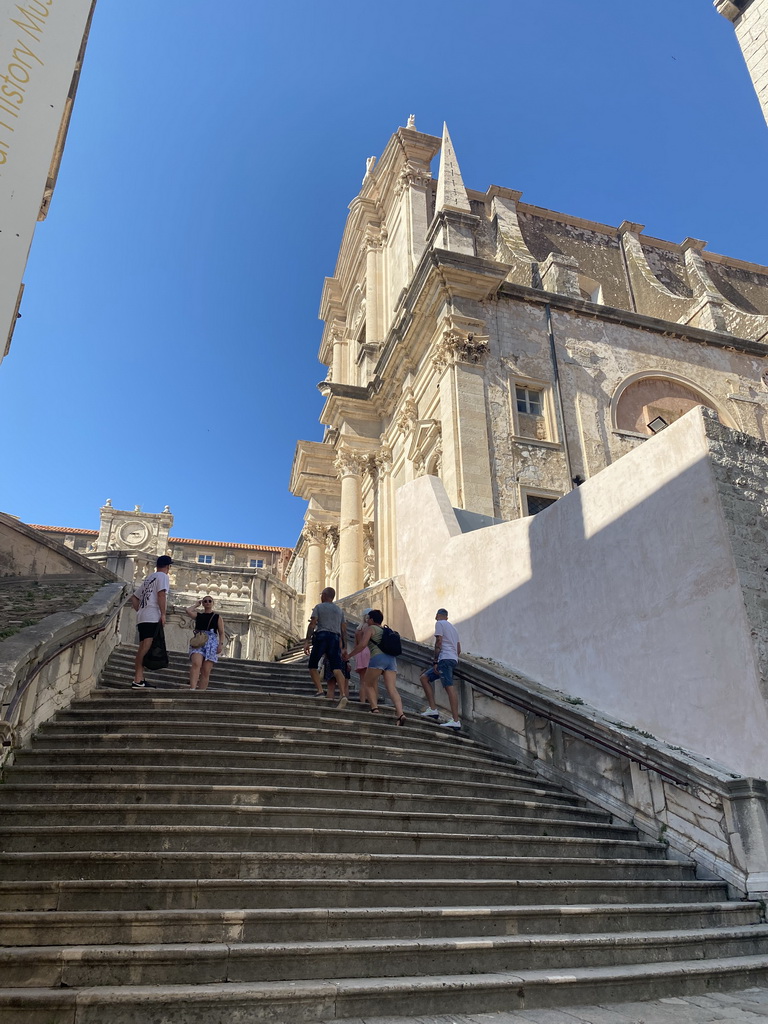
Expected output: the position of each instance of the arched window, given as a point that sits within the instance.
(645, 405)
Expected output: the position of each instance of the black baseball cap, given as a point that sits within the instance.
(164, 560)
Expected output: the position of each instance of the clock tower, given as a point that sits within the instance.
(134, 532)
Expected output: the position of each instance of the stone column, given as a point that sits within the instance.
(466, 467)
(315, 572)
(349, 466)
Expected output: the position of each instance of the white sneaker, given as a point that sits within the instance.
(429, 713)
(450, 724)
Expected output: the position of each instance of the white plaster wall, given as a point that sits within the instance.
(623, 593)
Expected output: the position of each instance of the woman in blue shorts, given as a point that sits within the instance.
(202, 659)
(380, 664)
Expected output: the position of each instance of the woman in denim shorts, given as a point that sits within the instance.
(380, 664)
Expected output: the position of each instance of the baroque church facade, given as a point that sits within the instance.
(512, 351)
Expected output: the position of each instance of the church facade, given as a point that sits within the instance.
(512, 351)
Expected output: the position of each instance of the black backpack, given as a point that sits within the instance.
(156, 657)
(390, 642)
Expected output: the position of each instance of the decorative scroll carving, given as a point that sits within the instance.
(412, 176)
(348, 463)
(408, 413)
(372, 242)
(437, 455)
(458, 346)
(331, 551)
(316, 533)
(369, 555)
(379, 462)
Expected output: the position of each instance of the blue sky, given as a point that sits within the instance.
(170, 313)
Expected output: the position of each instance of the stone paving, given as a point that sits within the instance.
(748, 1005)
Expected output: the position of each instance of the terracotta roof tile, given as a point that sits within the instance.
(171, 540)
(64, 529)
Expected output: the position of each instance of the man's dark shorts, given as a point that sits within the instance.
(146, 630)
(328, 644)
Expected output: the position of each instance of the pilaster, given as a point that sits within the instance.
(466, 471)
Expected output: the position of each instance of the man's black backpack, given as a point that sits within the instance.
(390, 642)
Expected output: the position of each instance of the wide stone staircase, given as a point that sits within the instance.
(250, 853)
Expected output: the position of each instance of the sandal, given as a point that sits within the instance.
(400, 720)
(375, 711)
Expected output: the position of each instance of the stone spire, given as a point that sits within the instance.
(451, 193)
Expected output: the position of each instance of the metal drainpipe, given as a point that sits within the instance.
(558, 394)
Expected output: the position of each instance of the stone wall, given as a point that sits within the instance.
(26, 552)
(740, 466)
(750, 18)
(625, 593)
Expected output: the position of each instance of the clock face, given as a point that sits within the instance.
(133, 534)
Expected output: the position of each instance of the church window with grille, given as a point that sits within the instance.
(537, 503)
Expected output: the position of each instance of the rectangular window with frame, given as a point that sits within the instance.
(205, 559)
(256, 563)
(531, 408)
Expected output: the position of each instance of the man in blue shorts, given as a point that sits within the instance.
(447, 651)
(328, 634)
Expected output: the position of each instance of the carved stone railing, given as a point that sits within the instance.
(44, 667)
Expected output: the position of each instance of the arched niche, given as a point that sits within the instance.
(643, 397)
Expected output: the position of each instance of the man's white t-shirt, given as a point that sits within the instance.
(449, 648)
(149, 609)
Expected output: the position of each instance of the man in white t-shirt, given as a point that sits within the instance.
(150, 601)
(447, 651)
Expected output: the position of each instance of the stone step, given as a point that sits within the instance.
(299, 745)
(306, 797)
(146, 881)
(109, 927)
(191, 757)
(271, 859)
(371, 731)
(278, 815)
(273, 796)
(186, 963)
(339, 841)
(317, 714)
(306, 1001)
(352, 726)
(27, 774)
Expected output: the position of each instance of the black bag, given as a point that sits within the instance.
(390, 642)
(157, 655)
